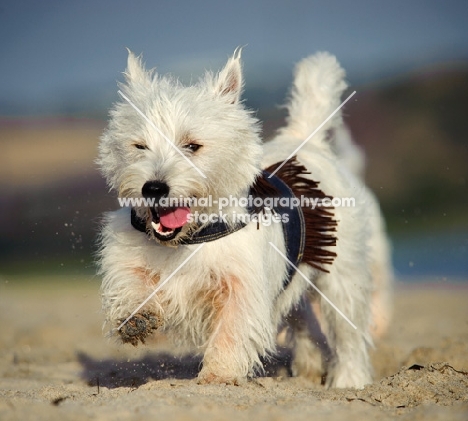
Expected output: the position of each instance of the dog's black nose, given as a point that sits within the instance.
(155, 189)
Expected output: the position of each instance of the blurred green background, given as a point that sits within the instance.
(408, 62)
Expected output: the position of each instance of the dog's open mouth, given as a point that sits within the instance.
(168, 222)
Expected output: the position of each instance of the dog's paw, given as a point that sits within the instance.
(343, 379)
(139, 327)
(307, 360)
(211, 378)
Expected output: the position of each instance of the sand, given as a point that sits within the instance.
(55, 364)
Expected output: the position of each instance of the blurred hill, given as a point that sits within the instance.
(51, 193)
(414, 131)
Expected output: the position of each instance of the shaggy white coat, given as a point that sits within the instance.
(228, 299)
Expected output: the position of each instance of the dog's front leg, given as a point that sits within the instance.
(122, 295)
(127, 283)
(238, 333)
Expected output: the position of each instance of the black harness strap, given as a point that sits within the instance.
(291, 216)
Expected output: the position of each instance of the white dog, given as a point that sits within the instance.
(225, 285)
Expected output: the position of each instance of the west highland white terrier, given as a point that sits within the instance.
(214, 248)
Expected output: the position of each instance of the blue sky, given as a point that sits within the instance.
(53, 50)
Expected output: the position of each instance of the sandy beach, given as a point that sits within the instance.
(55, 364)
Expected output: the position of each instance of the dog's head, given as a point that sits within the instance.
(169, 141)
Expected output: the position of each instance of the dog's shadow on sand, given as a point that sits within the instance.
(113, 373)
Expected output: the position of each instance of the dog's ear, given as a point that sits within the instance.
(229, 81)
(135, 72)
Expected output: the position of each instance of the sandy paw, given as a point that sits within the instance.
(210, 378)
(139, 327)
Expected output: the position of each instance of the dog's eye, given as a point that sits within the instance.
(193, 147)
(140, 146)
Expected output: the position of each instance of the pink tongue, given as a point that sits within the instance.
(174, 217)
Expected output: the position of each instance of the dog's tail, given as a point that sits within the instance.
(319, 82)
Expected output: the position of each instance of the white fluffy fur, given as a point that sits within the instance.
(228, 300)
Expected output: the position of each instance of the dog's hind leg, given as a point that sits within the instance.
(350, 365)
(311, 352)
